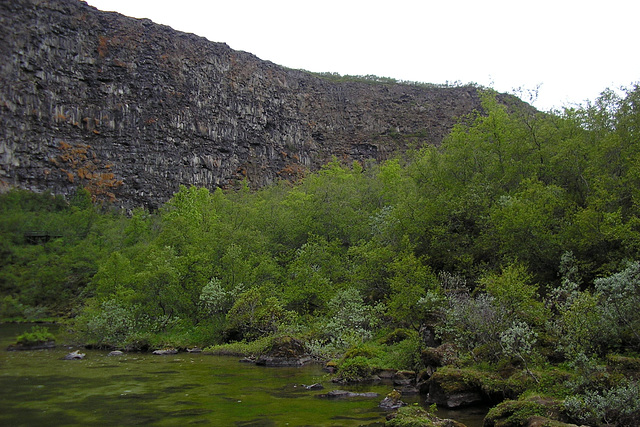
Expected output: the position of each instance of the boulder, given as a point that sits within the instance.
(284, 351)
(439, 356)
(404, 378)
(534, 411)
(392, 401)
(115, 353)
(74, 355)
(417, 416)
(451, 388)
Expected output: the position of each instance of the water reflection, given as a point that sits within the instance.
(38, 388)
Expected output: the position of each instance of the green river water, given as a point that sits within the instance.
(38, 388)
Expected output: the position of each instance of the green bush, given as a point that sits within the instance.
(412, 416)
(37, 335)
(354, 369)
(617, 406)
(241, 348)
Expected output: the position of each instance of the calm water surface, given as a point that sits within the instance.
(39, 388)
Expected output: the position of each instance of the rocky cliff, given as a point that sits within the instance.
(130, 109)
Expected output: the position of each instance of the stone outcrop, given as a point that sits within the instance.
(130, 109)
(284, 351)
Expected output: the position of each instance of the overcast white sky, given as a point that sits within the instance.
(572, 49)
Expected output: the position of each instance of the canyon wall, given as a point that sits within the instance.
(131, 109)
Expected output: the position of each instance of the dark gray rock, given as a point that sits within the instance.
(33, 346)
(131, 109)
(389, 403)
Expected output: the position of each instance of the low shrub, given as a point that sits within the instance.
(355, 369)
(617, 406)
(37, 335)
(241, 348)
(412, 416)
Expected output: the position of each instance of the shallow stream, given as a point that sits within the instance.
(39, 388)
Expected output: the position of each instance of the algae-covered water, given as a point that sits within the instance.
(39, 388)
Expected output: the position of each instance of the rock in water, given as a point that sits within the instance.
(341, 394)
(392, 401)
(165, 352)
(316, 386)
(74, 355)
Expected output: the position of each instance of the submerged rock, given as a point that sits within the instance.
(115, 353)
(341, 394)
(165, 351)
(32, 346)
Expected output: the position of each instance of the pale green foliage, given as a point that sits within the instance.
(580, 326)
(255, 314)
(618, 406)
(518, 340)
(349, 322)
(620, 295)
(217, 300)
(110, 324)
(472, 322)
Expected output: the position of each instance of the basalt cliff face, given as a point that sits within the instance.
(130, 109)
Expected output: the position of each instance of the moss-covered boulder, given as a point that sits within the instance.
(284, 351)
(534, 411)
(454, 388)
(628, 366)
(458, 387)
(439, 356)
(415, 416)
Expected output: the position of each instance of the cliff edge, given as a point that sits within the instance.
(131, 109)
